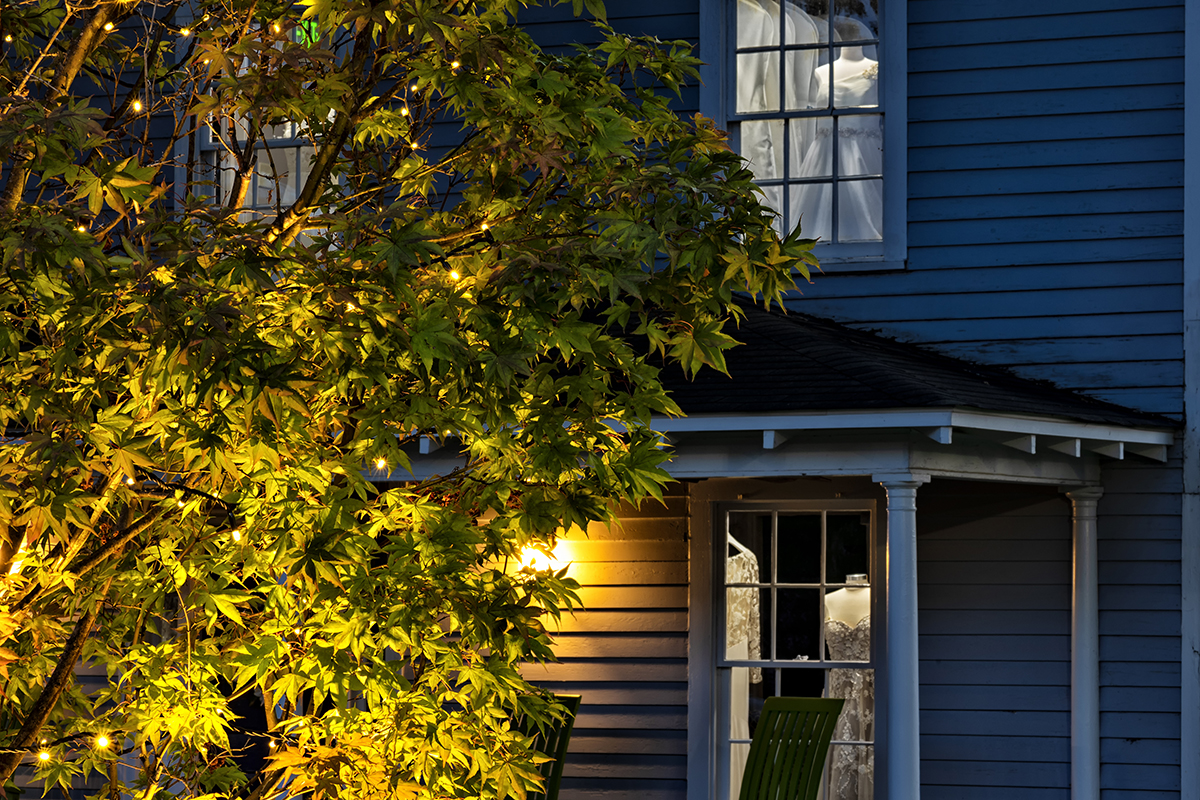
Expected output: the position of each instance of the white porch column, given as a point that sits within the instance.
(903, 686)
(1085, 647)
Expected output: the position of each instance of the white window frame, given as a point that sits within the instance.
(285, 139)
(718, 76)
(708, 767)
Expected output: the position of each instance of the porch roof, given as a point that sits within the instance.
(797, 362)
(798, 373)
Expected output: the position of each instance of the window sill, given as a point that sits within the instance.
(832, 264)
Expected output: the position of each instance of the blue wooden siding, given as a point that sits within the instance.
(1045, 196)
(626, 654)
(1139, 530)
(994, 573)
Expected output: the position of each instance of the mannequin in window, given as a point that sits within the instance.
(743, 632)
(758, 85)
(848, 638)
(860, 147)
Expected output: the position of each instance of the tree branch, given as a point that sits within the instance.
(10, 757)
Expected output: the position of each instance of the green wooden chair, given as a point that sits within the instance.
(553, 741)
(789, 747)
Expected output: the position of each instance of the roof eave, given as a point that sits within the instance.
(1024, 432)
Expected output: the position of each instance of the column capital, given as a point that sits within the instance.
(900, 480)
(1083, 498)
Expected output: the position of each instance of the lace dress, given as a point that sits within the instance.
(743, 628)
(852, 768)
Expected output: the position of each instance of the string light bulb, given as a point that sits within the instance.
(380, 463)
(453, 65)
(44, 756)
(275, 27)
(185, 32)
(137, 105)
(129, 481)
(102, 741)
(483, 227)
(81, 228)
(236, 535)
(454, 275)
(8, 37)
(412, 88)
(179, 503)
(404, 112)
(108, 26)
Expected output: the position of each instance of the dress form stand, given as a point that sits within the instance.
(851, 604)
(848, 638)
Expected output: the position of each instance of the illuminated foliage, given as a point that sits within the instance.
(212, 409)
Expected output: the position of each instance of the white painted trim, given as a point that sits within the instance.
(1189, 733)
(894, 77)
(701, 772)
(902, 667)
(1085, 645)
(914, 418)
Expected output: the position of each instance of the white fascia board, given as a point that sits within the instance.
(913, 418)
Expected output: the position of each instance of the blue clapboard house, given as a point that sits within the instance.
(954, 484)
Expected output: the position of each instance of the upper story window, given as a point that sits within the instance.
(281, 161)
(808, 107)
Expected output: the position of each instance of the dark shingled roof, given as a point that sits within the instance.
(796, 362)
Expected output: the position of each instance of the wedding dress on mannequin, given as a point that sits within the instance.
(860, 151)
(758, 86)
(743, 631)
(848, 638)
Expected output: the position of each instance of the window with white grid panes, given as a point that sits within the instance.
(794, 620)
(282, 158)
(808, 114)
(282, 154)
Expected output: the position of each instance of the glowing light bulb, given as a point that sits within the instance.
(185, 32)
(102, 741)
(43, 741)
(275, 27)
(453, 65)
(129, 481)
(271, 744)
(82, 229)
(454, 275)
(483, 227)
(404, 112)
(236, 535)
(380, 463)
(44, 756)
(8, 37)
(536, 559)
(108, 26)
(412, 88)
(137, 105)
(179, 503)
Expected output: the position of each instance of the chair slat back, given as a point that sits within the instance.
(789, 747)
(553, 741)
